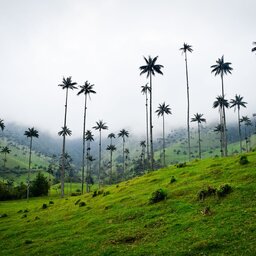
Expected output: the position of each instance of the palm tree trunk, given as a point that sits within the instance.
(221, 132)
(63, 147)
(199, 141)
(123, 159)
(151, 125)
(29, 166)
(99, 159)
(111, 154)
(239, 129)
(163, 143)
(188, 120)
(87, 167)
(147, 127)
(83, 162)
(224, 121)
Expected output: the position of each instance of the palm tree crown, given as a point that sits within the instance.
(89, 136)
(5, 150)
(65, 131)
(198, 118)
(254, 48)
(2, 126)
(220, 102)
(237, 102)
(163, 109)
(221, 67)
(145, 89)
(100, 126)
(86, 89)
(31, 132)
(151, 67)
(123, 133)
(186, 47)
(67, 83)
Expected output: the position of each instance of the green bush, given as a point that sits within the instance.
(44, 206)
(81, 204)
(40, 185)
(205, 192)
(181, 165)
(223, 190)
(243, 160)
(157, 196)
(173, 179)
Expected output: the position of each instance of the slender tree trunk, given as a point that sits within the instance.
(123, 159)
(111, 155)
(188, 108)
(148, 160)
(29, 166)
(99, 160)
(224, 121)
(199, 141)
(151, 125)
(64, 147)
(221, 132)
(163, 143)
(87, 166)
(83, 162)
(239, 129)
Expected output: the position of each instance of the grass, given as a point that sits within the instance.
(124, 223)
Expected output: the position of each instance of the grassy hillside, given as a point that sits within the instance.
(122, 222)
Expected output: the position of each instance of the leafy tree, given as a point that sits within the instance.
(238, 102)
(85, 89)
(187, 48)
(2, 126)
(89, 138)
(223, 68)
(5, 150)
(30, 133)
(199, 119)
(66, 85)
(100, 126)
(221, 103)
(150, 69)
(161, 111)
(145, 90)
(123, 133)
(254, 48)
(40, 185)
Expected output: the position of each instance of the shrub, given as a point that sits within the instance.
(205, 192)
(75, 193)
(4, 215)
(44, 206)
(40, 186)
(157, 196)
(243, 160)
(28, 242)
(181, 165)
(51, 202)
(81, 204)
(172, 179)
(223, 190)
(106, 193)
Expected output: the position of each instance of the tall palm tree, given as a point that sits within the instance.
(150, 69)
(199, 119)
(145, 90)
(187, 48)
(143, 146)
(2, 126)
(247, 122)
(65, 131)
(89, 138)
(219, 129)
(100, 126)
(254, 48)
(161, 111)
(66, 85)
(5, 150)
(85, 89)
(123, 133)
(30, 133)
(223, 68)
(221, 103)
(111, 148)
(111, 136)
(238, 102)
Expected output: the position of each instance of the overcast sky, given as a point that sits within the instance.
(104, 41)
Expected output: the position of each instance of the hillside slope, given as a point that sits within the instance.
(122, 222)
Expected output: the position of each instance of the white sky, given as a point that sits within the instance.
(104, 41)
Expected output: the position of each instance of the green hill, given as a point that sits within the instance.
(120, 221)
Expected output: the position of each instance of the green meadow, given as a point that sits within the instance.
(120, 220)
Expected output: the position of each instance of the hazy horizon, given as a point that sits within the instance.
(104, 42)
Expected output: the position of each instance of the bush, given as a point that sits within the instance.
(157, 196)
(106, 193)
(75, 193)
(81, 204)
(181, 165)
(205, 192)
(172, 179)
(51, 202)
(4, 215)
(223, 190)
(243, 160)
(40, 186)
(28, 242)
(44, 206)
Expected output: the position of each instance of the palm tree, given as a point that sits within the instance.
(163, 109)
(123, 133)
(111, 136)
(150, 69)
(223, 68)
(247, 122)
(254, 48)
(100, 126)
(143, 146)
(5, 150)
(238, 102)
(2, 126)
(199, 119)
(30, 133)
(89, 138)
(85, 89)
(219, 129)
(145, 90)
(221, 103)
(187, 48)
(65, 131)
(111, 148)
(66, 84)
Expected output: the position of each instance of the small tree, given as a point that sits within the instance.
(40, 185)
